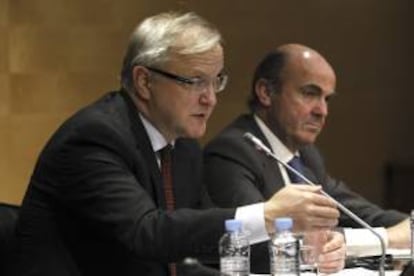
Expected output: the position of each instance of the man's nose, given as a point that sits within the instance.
(321, 107)
(209, 96)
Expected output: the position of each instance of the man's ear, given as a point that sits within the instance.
(263, 92)
(142, 82)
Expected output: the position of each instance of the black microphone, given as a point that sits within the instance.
(262, 147)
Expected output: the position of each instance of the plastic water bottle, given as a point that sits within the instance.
(284, 249)
(234, 249)
(412, 235)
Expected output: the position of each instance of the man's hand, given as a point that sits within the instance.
(305, 204)
(332, 256)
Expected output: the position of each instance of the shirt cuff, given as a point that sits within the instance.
(253, 221)
(362, 242)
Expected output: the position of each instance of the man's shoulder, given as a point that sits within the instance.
(109, 109)
(231, 144)
(235, 130)
(105, 120)
(226, 140)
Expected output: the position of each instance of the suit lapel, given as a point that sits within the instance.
(273, 180)
(144, 146)
(179, 171)
(310, 168)
(272, 177)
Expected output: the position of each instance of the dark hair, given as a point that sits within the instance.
(269, 69)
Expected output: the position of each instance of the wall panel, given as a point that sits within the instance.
(58, 55)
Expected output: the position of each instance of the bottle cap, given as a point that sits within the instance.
(233, 225)
(282, 224)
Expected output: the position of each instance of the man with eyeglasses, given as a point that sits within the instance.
(117, 190)
(290, 91)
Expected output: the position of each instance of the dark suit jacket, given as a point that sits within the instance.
(236, 173)
(94, 205)
(8, 243)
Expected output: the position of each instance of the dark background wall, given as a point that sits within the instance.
(58, 55)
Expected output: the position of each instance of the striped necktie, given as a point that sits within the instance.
(166, 172)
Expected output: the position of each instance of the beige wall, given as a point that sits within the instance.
(57, 55)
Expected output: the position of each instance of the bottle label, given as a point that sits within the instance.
(284, 257)
(235, 266)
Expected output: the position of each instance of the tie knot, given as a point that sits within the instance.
(165, 152)
(296, 163)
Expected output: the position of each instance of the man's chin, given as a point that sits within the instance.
(308, 139)
(195, 133)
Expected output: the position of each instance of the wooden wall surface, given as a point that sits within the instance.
(58, 55)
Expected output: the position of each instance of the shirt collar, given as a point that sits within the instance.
(157, 140)
(277, 147)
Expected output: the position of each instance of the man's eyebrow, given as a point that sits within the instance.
(312, 86)
(317, 88)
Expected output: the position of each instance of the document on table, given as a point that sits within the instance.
(358, 271)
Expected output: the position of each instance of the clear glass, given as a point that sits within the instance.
(308, 260)
(311, 243)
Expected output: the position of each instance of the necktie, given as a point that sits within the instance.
(297, 164)
(166, 172)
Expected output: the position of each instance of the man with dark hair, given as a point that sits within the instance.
(291, 89)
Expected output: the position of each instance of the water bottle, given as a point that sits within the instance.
(234, 249)
(412, 235)
(284, 249)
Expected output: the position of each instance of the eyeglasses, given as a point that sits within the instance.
(196, 84)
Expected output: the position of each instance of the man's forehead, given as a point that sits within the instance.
(307, 64)
(197, 61)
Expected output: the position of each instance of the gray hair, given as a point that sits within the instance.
(159, 36)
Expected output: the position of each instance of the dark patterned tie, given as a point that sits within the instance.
(166, 172)
(297, 164)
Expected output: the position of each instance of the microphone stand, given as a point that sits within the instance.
(341, 207)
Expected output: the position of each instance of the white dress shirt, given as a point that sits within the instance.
(277, 147)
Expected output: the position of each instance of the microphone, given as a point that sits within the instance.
(192, 267)
(262, 147)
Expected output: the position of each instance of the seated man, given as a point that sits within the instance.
(117, 190)
(289, 104)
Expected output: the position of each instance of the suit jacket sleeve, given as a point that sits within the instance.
(369, 212)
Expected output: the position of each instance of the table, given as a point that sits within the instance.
(350, 272)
